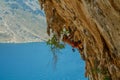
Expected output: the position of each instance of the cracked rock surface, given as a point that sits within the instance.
(94, 25)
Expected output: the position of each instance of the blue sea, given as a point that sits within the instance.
(35, 61)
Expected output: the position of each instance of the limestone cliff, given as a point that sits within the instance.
(22, 21)
(94, 27)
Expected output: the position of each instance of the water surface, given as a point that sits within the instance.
(34, 61)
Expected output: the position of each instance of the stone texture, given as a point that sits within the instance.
(22, 21)
(94, 25)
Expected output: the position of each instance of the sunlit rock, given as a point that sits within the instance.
(21, 21)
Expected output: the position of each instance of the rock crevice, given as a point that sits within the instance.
(94, 28)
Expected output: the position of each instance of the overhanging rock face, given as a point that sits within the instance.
(96, 25)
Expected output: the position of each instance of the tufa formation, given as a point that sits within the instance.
(94, 29)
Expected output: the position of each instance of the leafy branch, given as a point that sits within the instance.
(55, 44)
